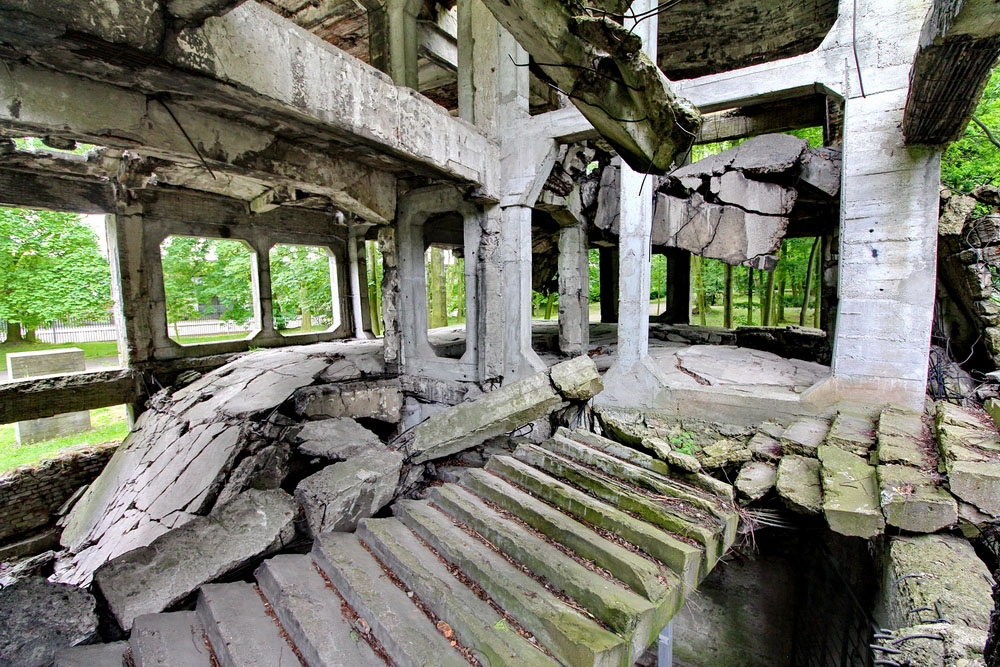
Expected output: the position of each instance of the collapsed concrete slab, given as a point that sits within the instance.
(197, 448)
(151, 578)
(850, 493)
(600, 65)
(339, 496)
(798, 484)
(970, 454)
(40, 618)
(336, 439)
(755, 480)
(513, 405)
(735, 206)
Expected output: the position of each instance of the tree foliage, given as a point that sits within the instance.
(300, 284)
(207, 277)
(51, 268)
(974, 159)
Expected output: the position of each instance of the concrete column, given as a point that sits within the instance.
(609, 284)
(678, 306)
(391, 339)
(574, 291)
(354, 278)
(634, 379)
(132, 300)
(392, 29)
(888, 240)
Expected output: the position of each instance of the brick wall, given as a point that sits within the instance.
(31, 494)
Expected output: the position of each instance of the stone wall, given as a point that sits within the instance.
(30, 495)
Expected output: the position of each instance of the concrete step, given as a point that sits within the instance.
(568, 634)
(680, 556)
(240, 630)
(656, 583)
(677, 517)
(310, 612)
(476, 624)
(804, 436)
(657, 483)
(904, 438)
(406, 633)
(625, 452)
(93, 655)
(853, 432)
(913, 500)
(169, 640)
(628, 614)
(850, 493)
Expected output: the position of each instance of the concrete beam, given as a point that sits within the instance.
(196, 11)
(249, 64)
(47, 396)
(958, 48)
(42, 191)
(780, 116)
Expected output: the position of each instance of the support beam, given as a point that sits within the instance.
(48, 396)
(958, 48)
(44, 191)
(750, 121)
(249, 64)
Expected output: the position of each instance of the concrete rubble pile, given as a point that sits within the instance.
(735, 206)
(261, 453)
(865, 470)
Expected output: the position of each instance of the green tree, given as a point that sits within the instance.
(51, 268)
(300, 284)
(975, 158)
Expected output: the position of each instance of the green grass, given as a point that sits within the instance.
(110, 425)
(90, 350)
(196, 340)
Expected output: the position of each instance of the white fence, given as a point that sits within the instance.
(90, 332)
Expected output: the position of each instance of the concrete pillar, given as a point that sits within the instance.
(678, 306)
(392, 29)
(133, 302)
(887, 253)
(574, 291)
(609, 284)
(633, 379)
(354, 278)
(391, 339)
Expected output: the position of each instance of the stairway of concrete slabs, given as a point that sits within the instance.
(565, 553)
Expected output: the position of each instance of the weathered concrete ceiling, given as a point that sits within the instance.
(252, 92)
(699, 37)
(958, 49)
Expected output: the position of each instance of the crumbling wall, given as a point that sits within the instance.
(31, 495)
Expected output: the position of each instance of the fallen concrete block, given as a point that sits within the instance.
(852, 432)
(798, 483)
(804, 436)
(40, 618)
(911, 500)
(941, 572)
(755, 480)
(469, 424)
(340, 495)
(850, 493)
(724, 453)
(151, 578)
(336, 439)
(380, 399)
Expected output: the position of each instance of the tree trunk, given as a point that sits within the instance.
(749, 296)
(727, 299)
(14, 333)
(548, 305)
(439, 290)
(698, 264)
(779, 301)
(29, 335)
(807, 290)
(819, 284)
(768, 312)
(372, 275)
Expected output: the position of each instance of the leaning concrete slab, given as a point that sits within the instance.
(469, 424)
(149, 579)
(798, 483)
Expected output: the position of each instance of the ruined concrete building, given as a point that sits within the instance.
(509, 492)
